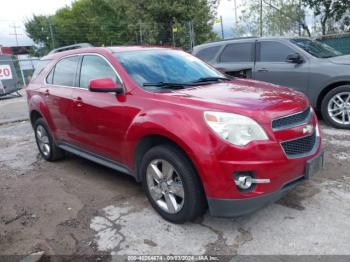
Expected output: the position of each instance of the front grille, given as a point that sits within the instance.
(292, 120)
(300, 147)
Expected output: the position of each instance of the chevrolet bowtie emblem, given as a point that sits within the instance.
(308, 129)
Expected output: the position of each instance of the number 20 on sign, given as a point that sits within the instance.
(5, 72)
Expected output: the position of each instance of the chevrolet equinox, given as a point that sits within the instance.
(194, 138)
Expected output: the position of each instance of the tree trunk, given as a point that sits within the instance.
(306, 28)
(324, 24)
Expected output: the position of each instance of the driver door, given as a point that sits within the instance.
(271, 66)
(98, 117)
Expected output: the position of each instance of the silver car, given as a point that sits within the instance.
(316, 69)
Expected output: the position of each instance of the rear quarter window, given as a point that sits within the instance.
(208, 53)
(237, 52)
(40, 66)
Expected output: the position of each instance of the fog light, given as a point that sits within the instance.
(246, 182)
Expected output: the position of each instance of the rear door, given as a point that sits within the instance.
(208, 54)
(58, 95)
(236, 57)
(98, 117)
(271, 66)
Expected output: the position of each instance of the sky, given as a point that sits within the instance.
(16, 12)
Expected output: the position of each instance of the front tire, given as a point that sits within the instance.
(46, 145)
(336, 107)
(171, 184)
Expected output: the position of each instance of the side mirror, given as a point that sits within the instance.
(105, 85)
(294, 58)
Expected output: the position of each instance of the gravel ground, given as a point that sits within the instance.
(75, 207)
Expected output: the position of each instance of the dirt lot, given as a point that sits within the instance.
(75, 207)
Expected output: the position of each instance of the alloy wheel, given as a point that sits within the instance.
(43, 140)
(339, 108)
(165, 186)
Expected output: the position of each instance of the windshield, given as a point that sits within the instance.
(316, 48)
(164, 66)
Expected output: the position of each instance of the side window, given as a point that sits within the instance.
(65, 71)
(208, 53)
(274, 51)
(95, 67)
(237, 52)
(39, 67)
(49, 78)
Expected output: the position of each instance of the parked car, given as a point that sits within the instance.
(193, 137)
(314, 68)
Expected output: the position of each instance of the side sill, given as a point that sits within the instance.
(95, 158)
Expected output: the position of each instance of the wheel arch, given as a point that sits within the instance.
(326, 90)
(151, 140)
(34, 116)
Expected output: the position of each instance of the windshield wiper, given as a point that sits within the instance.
(211, 79)
(175, 85)
(180, 85)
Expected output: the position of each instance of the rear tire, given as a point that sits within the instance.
(46, 145)
(177, 195)
(336, 107)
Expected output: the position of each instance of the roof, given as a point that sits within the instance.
(242, 39)
(118, 49)
(70, 47)
(112, 49)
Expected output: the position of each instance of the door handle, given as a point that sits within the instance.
(46, 92)
(263, 70)
(78, 101)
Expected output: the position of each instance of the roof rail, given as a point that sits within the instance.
(232, 38)
(70, 47)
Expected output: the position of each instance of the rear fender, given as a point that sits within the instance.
(37, 103)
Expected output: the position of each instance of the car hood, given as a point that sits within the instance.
(340, 60)
(248, 97)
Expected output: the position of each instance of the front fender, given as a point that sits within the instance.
(186, 128)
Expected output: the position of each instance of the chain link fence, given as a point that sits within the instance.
(15, 73)
(340, 42)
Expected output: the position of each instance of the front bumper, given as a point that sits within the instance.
(237, 207)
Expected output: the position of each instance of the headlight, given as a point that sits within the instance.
(237, 129)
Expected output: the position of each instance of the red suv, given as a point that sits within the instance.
(192, 136)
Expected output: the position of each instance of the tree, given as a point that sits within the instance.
(111, 22)
(329, 11)
(38, 30)
(279, 17)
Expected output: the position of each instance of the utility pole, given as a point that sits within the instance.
(16, 36)
(14, 27)
(299, 18)
(51, 33)
(222, 28)
(173, 34)
(190, 31)
(141, 37)
(236, 19)
(261, 18)
(192, 36)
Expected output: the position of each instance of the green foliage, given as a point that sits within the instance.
(116, 22)
(279, 18)
(333, 14)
